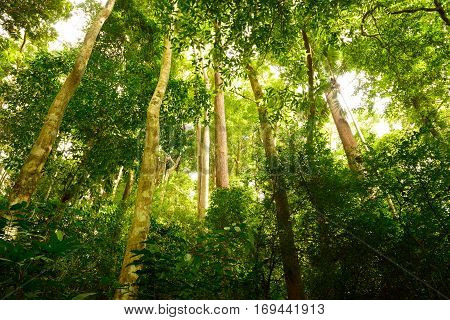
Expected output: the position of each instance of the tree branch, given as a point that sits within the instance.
(413, 10)
(438, 8)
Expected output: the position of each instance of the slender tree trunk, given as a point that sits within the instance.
(31, 171)
(237, 161)
(147, 179)
(199, 166)
(204, 172)
(203, 168)
(345, 132)
(128, 186)
(51, 184)
(311, 97)
(221, 148)
(348, 140)
(289, 256)
(119, 220)
(117, 181)
(24, 41)
(2, 178)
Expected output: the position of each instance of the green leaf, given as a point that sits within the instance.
(59, 234)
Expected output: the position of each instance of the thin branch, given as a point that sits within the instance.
(438, 8)
(413, 10)
(24, 41)
(241, 95)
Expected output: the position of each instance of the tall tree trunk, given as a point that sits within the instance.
(204, 172)
(289, 256)
(203, 167)
(348, 140)
(199, 166)
(31, 171)
(117, 181)
(128, 186)
(147, 179)
(24, 41)
(345, 132)
(221, 148)
(311, 98)
(237, 160)
(51, 184)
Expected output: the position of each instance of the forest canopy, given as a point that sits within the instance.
(191, 149)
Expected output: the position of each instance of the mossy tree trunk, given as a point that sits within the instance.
(31, 171)
(146, 184)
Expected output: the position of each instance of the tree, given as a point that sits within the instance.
(345, 132)
(32, 169)
(221, 144)
(32, 19)
(311, 93)
(289, 256)
(203, 143)
(146, 183)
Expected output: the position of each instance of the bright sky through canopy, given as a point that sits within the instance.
(71, 32)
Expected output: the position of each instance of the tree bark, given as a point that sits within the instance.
(199, 166)
(24, 41)
(311, 98)
(289, 256)
(128, 186)
(221, 148)
(345, 132)
(30, 173)
(204, 172)
(203, 160)
(147, 179)
(348, 140)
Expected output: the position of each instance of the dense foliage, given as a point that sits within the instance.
(379, 232)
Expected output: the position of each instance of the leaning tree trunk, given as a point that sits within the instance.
(289, 256)
(345, 132)
(221, 148)
(348, 140)
(311, 98)
(31, 170)
(147, 179)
